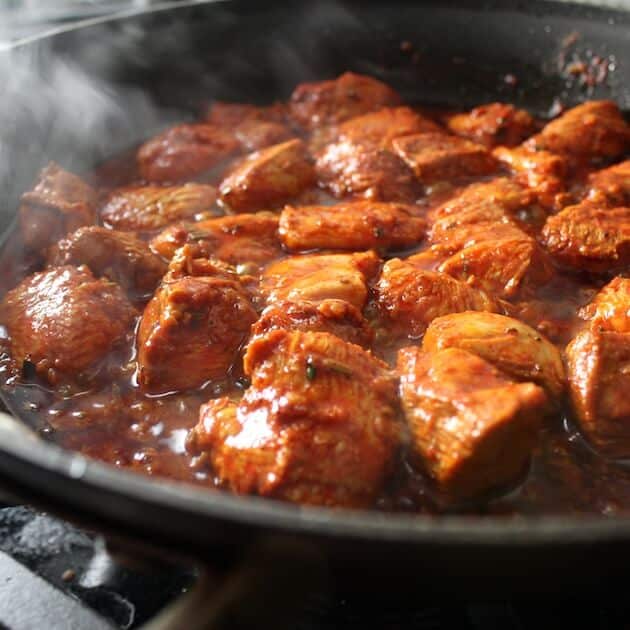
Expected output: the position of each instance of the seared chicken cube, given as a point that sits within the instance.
(317, 426)
(64, 321)
(191, 332)
(511, 346)
(610, 309)
(185, 152)
(148, 208)
(493, 124)
(592, 131)
(254, 135)
(611, 185)
(321, 277)
(472, 429)
(435, 157)
(411, 298)
(267, 178)
(59, 203)
(119, 256)
(589, 237)
(331, 102)
(354, 225)
(336, 317)
(241, 239)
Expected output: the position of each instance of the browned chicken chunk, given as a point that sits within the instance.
(64, 322)
(331, 102)
(268, 178)
(185, 151)
(119, 256)
(317, 425)
(354, 225)
(59, 203)
(493, 124)
(148, 208)
(472, 428)
(592, 131)
(610, 309)
(230, 115)
(511, 346)
(589, 237)
(321, 277)
(435, 157)
(411, 298)
(611, 185)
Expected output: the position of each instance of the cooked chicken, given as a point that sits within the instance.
(493, 124)
(610, 309)
(331, 102)
(592, 131)
(268, 178)
(472, 428)
(611, 185)
(185, 151)
(589, 237)
(354, 225)
(511, 346)
(254, 135)
(148, 208)
(64, 322)
(119, 256)
(230, 115)
(436, 157)
(191, 332)
(317, 425)
(59, 203)
(411, 298)
(321, 277)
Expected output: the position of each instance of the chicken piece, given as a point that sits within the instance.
(321, 277)
(191, 332)
(254, 135)
(348, 169)
(325, 103)
(336, 317)
(119, 256)
(185, 151)
(241, 239)
(64, 322)
(598, 364)
(611, 185)
(589, 237)
(435, 157)
(493, 124)
(511, 346)
(411, 298)
(59, 203)
(592, 131)
(541, 171)
(354, 225)
(471, 427)
(317, 426)
(148, 208)
(267, 178)
(610, 309)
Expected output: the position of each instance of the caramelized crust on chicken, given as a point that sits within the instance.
(230, 115)
(267, 178)
(611, 185)
(64, 322)
(185, 152)
(317, 425)
(411, 298)
(59, 203)
(592, 131)
(589, 237)
(324, 103)
(336, 317)
(436, 157)
(191, 332)
(254, 135)
(321, 277)
(119, 256)
(148, 208)
(511, 346)
(610, 309)
(493, 124)
(472, 428)
(241, 239)
(354, 225)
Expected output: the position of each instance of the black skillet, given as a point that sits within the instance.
(83, 94)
